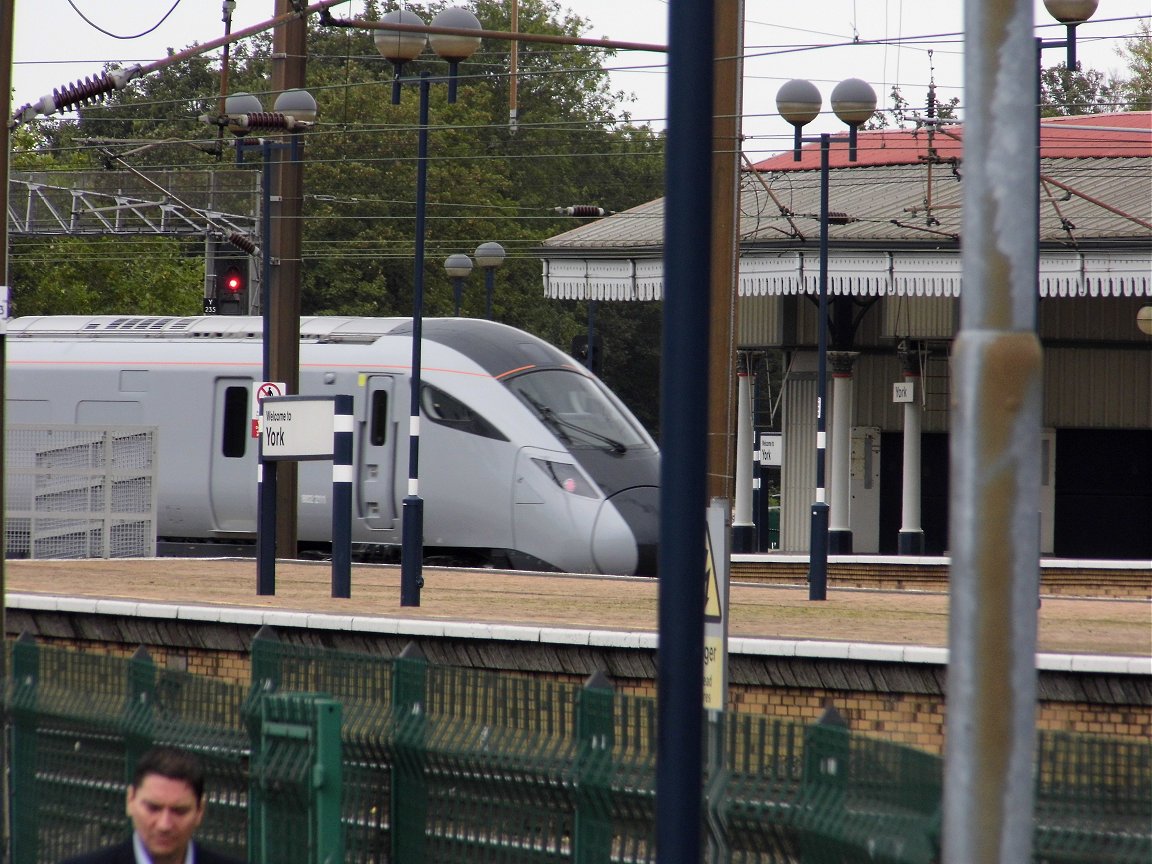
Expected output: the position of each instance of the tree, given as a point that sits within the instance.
(1081, 91)
(1136, 89)
(82, 275)
(903, 115)
(486, 181)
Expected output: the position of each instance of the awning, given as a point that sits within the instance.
(899, 274)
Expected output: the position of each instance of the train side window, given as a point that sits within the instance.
(234, 435)
(449, 411)
(378, 418)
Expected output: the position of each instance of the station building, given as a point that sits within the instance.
(894, 286)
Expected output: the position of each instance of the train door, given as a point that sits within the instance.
(232, 477)
(376, 459)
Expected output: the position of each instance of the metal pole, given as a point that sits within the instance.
(412, 539)
(489, 287)
(684, 442)
(267, 487)
(995, 446)
(592, 359)
(289, 58)
(818, 542)
(342, 497)
(7, 11)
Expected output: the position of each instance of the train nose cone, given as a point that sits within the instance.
(626, 543)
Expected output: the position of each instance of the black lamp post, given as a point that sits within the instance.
(1070, 13)
(458, 267)
(401, 47)
(799, 102)
(293, 110)
(489, 256)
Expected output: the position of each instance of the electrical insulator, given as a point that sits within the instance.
(242, 242)
(586, 210)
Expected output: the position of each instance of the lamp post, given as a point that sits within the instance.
(458, 267)
(1070, 13)
(293, 110)
(1144, 320)
(401, 47)
(799, 102)
(489, 256)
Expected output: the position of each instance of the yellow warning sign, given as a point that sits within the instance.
(712, 607)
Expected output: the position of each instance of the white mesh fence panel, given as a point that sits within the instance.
(80, 491)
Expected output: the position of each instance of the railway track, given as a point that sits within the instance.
(1127, 580)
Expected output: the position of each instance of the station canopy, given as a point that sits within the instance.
(895, 220)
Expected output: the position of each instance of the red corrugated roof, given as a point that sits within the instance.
(1087, 135)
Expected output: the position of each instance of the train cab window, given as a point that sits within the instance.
(449, 411)
(234, 435)
(378, 418)
(577, 409)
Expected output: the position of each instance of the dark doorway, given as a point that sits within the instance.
(1104, 493)
(933, 491)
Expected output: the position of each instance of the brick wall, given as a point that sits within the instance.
(901, 702)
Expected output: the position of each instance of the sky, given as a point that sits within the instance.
(55, 46)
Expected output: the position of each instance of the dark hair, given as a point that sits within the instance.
(173, 763)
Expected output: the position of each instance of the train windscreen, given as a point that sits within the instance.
(576, 410)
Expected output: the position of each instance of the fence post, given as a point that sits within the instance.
(266, 677)
(296, 785)
(25, 806)
(138, 709)
(409, 796)
(328, 781)
(827, 747)
(596, 735)
(266, 672)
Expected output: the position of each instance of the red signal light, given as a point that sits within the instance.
(232, 282)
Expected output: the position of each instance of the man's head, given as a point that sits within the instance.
(166, 802)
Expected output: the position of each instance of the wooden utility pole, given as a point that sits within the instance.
(726, 135)
(289, 63)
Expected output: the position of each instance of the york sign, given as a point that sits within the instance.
(297, 427)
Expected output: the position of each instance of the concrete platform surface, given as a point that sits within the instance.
(1067, 625)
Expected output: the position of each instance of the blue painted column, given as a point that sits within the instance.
(342, 498)
(412, 532)
(818, 540)
(683, 424)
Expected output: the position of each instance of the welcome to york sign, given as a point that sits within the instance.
(297, 427)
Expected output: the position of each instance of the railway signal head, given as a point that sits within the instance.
(232, 291)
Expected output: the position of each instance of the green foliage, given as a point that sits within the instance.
(902, 115)
(1082, 91)
(1136, 89)
(81, 275)
(487, 180)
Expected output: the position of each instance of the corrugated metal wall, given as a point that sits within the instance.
(759, 324)
(798, 472)
(1098, 389)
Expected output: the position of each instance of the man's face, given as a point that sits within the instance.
(165, 813)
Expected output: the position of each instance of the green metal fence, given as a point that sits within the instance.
(341, 757)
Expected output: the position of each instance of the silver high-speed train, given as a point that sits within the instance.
(526, 459)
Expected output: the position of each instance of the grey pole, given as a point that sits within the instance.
(995, 466)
